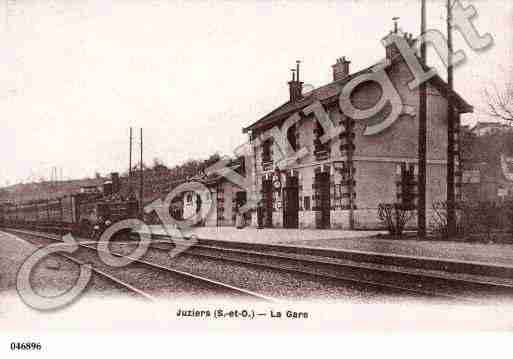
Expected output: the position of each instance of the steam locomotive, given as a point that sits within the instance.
(84, 214)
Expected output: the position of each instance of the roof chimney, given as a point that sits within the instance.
(394, 36)
(396, 26)
(295, 85)
(390, 40)
(340, 69)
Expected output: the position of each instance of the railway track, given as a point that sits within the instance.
(424, 276)
(102, 274)
(401, 275)
(187, 282)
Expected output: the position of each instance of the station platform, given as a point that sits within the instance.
(268, 235)
(364, 241)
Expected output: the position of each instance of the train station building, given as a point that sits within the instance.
(221, 200)
(340, 183)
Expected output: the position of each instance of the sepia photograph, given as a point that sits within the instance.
(293, 166)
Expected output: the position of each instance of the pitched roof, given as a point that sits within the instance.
(234, 164)
(327, 93)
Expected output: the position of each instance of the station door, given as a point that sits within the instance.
(267, 210)
(291, 203)
(322, 192)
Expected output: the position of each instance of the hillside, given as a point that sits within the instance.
(44, 190)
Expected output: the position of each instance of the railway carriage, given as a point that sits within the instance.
(78, 214)
(10, 213)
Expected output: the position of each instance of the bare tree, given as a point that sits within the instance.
(500, 101)
(395, 217)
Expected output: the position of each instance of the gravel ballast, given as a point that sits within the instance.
(51, 276)
(151, 280)
(270, 282)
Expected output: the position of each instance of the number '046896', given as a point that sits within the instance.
(25, 346)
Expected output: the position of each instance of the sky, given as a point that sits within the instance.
(77, 74)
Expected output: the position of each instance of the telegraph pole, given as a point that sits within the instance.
(141, 185)
(421, 205)
(451, 200)
(130, 165)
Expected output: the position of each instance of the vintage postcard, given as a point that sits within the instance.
(255, 166)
